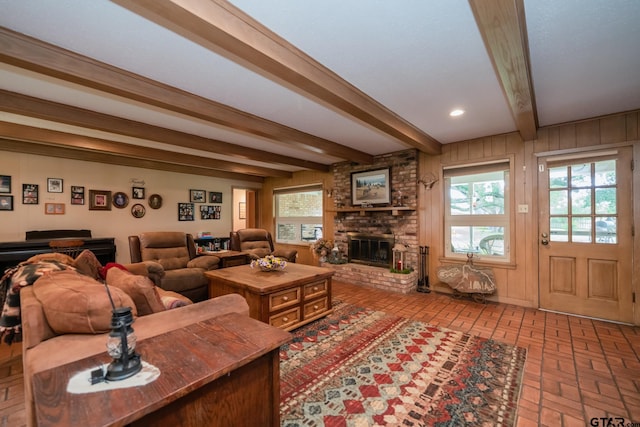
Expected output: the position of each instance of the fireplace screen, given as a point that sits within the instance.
(371, 249)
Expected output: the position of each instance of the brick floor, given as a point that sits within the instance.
(576, 368)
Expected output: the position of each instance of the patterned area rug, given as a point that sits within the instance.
(358, 367)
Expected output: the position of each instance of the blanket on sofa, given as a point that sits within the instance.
(14, 279)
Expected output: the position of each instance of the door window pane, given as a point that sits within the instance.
(558, 202)
(606, 201)
(581, 202)
(605, 173)
(581, 229)
(581, 175)
(559, 229)
(558, 177)
(606, 230)
(592, 197)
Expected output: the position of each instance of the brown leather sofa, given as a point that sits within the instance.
(175, 252)
(258, 243)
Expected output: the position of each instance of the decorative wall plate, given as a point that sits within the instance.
(120, 200)
(138, 210)
(155, 201)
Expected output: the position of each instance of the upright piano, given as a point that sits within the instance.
(37, 242)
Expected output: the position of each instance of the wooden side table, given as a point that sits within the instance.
(229, 258)
(216, 372)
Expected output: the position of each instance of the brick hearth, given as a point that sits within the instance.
(378, 277)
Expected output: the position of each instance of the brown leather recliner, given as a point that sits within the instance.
(174, 253)
(258, 243)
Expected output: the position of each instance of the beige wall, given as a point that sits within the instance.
(118, 223)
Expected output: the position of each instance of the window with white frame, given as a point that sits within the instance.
(298, 214)
(477, 211)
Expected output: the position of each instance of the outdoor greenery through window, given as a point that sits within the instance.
(477, 211)
(582, 202)
(298, 214)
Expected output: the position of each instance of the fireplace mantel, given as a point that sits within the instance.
(395, 210)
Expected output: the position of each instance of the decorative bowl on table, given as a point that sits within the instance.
(269, 263)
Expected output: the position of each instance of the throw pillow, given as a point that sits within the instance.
(140, 288)
(88, 264)
(104, 270)
(76, 304)
(172, 299)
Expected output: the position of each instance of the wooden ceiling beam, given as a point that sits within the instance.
(217, 24)
(85, 144)
(35, 55)
(112, 159)
(24, 105)
(503, 28)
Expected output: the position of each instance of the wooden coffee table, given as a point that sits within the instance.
(285, 299)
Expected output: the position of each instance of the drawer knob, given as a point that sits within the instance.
(315, 307)
(285, 298)
(315, 288)
(285, 319)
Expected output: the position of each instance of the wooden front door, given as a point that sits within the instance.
(585, 240)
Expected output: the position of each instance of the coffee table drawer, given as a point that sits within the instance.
(286, 318)
(284, 299)
(315, 307)
(315, 289)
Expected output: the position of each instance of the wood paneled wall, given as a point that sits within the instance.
(518, 283)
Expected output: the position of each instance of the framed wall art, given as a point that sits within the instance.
(6, 203)
(155, 201)
(371, 187)
(210, 212)
(138, 210)
(197, 196)
(242, 210)
(29, 194)
(215, 197)
(120, 200)
(54, 208)
(99, 200)
(77, 195)
(137, 192)
(5, 184)
(185, 211)
(54, 185)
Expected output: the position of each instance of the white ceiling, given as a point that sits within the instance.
(418, 58)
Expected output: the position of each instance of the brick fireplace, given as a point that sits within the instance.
(397, 220)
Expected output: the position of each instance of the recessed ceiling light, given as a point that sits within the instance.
(456, 113)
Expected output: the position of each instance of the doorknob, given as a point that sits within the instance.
(544, 240)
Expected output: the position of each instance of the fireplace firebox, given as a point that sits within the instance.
(371, 249)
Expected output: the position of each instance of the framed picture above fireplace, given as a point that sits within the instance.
(371, 187)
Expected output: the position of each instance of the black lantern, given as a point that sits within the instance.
(121, 344)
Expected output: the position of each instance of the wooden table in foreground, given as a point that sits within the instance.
(286, 299)
(220, 372)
